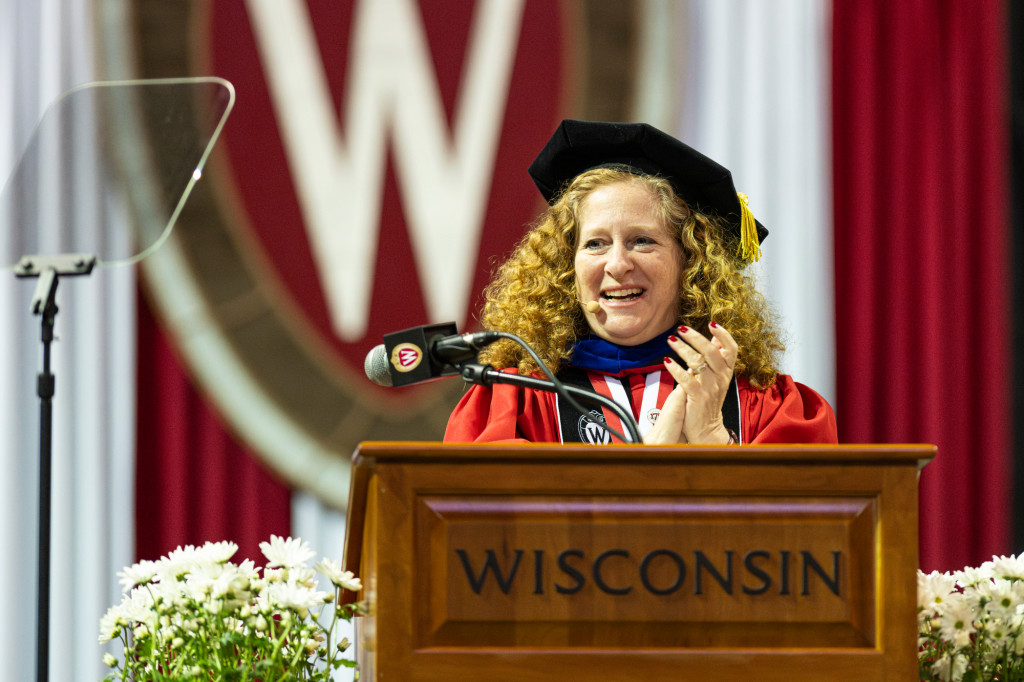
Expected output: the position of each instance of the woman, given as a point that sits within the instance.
(643, 248)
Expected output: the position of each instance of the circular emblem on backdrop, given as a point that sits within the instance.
(405, 357)
(266, 285)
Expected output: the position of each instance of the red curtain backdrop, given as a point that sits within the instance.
(921, 200)
(194, 482)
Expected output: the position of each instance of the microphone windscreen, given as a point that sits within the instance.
(592, 307)
(376, 366)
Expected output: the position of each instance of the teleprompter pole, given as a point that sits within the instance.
(44, 303)
(45, 386)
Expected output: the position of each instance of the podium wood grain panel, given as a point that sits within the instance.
(561, 562)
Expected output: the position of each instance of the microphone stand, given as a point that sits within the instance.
(485, 375)
(44, 303)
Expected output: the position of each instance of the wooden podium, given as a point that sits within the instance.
(562, 562)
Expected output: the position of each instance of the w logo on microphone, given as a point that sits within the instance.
(406, 357)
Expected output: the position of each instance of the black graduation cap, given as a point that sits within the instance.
(705, 185)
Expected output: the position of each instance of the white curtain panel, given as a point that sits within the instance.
(45, 48)
(750, 84)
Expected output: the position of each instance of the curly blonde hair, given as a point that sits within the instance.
(533, 293)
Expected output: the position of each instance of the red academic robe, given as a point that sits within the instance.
(785, 412)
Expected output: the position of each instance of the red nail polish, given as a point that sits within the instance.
(673, 338)
(682, 329)
(713, 323)
(668, 360)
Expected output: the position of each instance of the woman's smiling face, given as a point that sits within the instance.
(629, 263)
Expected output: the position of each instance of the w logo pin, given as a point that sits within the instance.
(592, 429)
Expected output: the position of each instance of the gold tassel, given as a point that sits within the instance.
(750, 246)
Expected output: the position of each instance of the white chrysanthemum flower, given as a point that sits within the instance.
(220, 581)
(168, 596)
(933, 588)
(349, 581)
(109, 660)
(137, 607)
(187, 553)
(274, 575)
(301, 575)
(1008, 567)
(248, 569)
(295, 597)
(262, 605)
(995, 635)
(286, 552)
(110, 624)
(198, 582)
(311, 645)
(970, 576)
(137, 574)
(956, 620)
(1017, 627)
(178, 563)
(346, 580)
(950, 668)
(214, 606)
(1000, 598)
(217, 552)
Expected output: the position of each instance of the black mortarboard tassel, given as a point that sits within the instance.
(705, 185)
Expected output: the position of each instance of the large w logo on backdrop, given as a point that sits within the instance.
(445, 175)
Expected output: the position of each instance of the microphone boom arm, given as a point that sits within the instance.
(485, 375)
